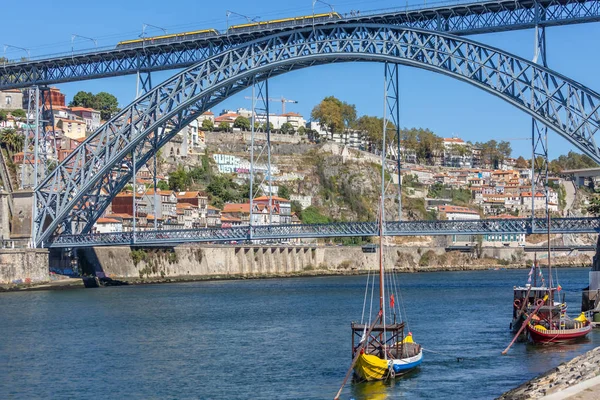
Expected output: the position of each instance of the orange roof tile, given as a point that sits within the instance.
(456, 209)
(266, 198)
(107, 221)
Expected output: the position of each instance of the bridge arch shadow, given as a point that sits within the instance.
(76, 193)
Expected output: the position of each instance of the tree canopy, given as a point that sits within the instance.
(242, 123)
(106, 103)
(20, 114)
(572, 160)
(208, 125)
(287, 128)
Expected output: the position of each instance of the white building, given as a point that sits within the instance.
(108, 225)
(457, 153)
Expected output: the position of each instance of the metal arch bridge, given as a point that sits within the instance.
(345, 229)
(458, 19)
(77, 192)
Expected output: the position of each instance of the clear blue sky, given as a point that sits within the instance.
(428, 100)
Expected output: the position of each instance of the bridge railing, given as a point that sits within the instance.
(414, 8)
(340, 229)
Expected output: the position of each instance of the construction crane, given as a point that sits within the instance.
(283, 100)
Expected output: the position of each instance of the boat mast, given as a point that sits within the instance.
(381, 286)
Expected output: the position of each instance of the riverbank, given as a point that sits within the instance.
(566, 375)
(181, 262)
(77, 283)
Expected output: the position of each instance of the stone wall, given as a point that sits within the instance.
(23, 266)
(21, 218)
(206, 261)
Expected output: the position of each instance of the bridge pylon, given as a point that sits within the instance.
(260, 112)
(539, 131)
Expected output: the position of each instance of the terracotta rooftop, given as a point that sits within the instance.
(456, 209)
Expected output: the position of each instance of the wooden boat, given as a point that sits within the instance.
(536, 312)
(549, 322)
(540, 334)
(380, 349)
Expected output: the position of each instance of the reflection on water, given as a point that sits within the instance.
(277, 338)
(380, 390)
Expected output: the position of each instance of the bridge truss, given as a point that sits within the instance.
(342, 229)
(458, 19)
(78, 191)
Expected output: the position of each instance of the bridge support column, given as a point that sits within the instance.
(39, 146)
(539, 132)
(144, 85)
(260, 112)
(391, 124)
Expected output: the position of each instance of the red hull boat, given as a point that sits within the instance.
(539, 334)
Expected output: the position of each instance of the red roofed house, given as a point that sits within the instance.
(228, 119)
(89, 115)
(108, 225)
(284, 206)
(454, 213)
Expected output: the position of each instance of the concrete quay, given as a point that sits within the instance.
(578, 379)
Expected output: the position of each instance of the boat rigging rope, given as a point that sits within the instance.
(372, 292)
(362, 317)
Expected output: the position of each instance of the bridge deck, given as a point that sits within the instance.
(459, 19)
(345, 229)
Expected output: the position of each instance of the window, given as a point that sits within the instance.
(8, 100)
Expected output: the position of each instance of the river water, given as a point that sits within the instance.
(265, 339)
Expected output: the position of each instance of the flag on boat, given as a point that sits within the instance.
(392, 302)
(559, 288)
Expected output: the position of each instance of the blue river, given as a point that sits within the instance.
(266, 339)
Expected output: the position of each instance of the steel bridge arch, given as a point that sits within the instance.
(75, 194)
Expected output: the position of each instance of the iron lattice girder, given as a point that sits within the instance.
(395, 228)
(76, 193)
(460, 19)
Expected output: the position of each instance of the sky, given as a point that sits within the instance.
(428, 100)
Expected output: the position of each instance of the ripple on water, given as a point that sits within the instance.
(279, 338)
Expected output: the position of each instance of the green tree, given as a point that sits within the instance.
(179, 180)
(3, 115)
(284, 192)
(263, 127)
(19, 114)
(106, 103)
(301, 131)
(348, 114)
(83, 99)
(373, 129)
(328, 113)
(287, 128)
(208, 125)
(12, 140)
(242, 123)
(224, 127)
(162, 185)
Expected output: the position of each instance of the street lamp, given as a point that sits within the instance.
(6, 46)
(228, 13)
(144, 26)
(313, 9)
(74, 35)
